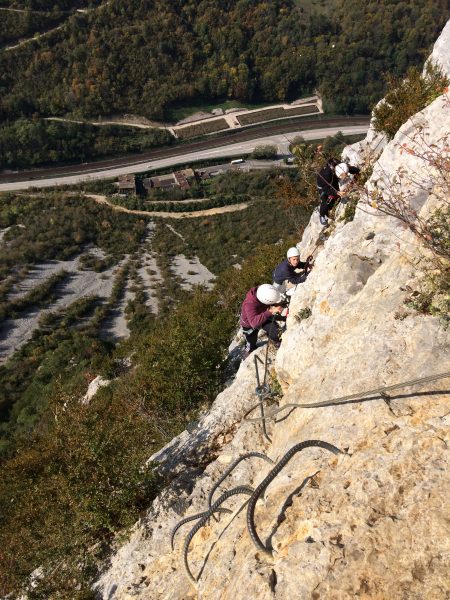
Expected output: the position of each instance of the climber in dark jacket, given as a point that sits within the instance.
(332, 180)
(328, 187)
(286, 271)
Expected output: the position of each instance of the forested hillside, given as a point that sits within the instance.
(143, 56)
(23, 19)
(30, 142)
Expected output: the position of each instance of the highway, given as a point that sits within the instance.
(95, 171)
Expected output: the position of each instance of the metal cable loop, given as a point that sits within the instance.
(242, 489)
(345, 399)
(270, 477)
(191, 518)
(231, 468)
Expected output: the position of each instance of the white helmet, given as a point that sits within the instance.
(341, 169)
(293, 252)
(267, 294)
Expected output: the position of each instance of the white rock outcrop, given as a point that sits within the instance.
(368, 149)
(97, 383)
(441, 55)
(371, 522)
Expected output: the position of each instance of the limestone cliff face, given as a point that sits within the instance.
(371, 522)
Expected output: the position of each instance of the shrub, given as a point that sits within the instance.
(37, 142)
(79, 478)
(303, 314)
(350, 210)
(433, 295)
(407, 96)
(264, 152)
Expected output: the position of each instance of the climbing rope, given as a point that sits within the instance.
(347, 399)
(231, 469)
(242, 489)
(192, 518)
(270, 477)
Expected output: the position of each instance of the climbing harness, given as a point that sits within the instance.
(270, 477)
(231, 469)
(381, 391)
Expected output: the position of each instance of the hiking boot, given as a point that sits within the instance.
(324, 221)
(245, 353)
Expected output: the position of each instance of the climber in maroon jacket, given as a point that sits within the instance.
(259, 310)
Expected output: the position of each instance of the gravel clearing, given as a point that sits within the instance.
(115, 328)
(82, 282)
(192, 272)
(149, 271)
(15, 332)
(151, 277)
(42, 271)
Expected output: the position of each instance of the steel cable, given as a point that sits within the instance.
(345, 399)
(271, 476)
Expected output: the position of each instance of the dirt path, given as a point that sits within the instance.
(35, 12)
(37, 36)
(34, 38)
(169, 215)
(139, 122)
(230, 118)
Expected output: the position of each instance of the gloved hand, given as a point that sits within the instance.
(275, 309)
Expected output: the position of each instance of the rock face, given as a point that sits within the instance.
(440, 54)
(368, 149)
(93, 388)
(371, 522)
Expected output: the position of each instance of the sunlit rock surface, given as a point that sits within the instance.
(441, 55)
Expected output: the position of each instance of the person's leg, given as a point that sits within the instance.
(323, 209)
(330, 203)
(251, 339)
